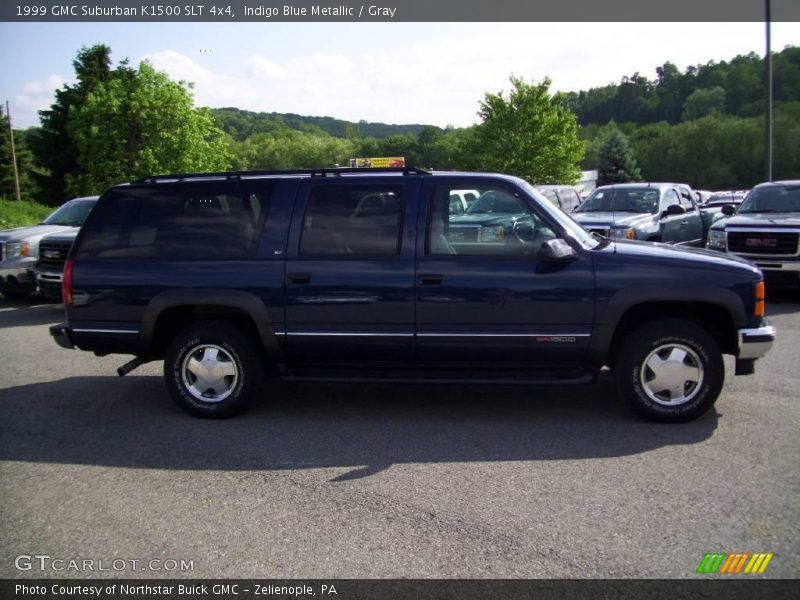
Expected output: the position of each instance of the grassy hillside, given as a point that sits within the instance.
(241, 124)
(18, 214)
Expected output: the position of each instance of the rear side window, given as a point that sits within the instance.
(353, 220)
(200, 221)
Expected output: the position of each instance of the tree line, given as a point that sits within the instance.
(703, 126)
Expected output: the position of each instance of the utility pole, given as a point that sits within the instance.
(13, 154)
(768, 65)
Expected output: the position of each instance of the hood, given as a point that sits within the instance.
(764, 220)
(484, 219)
(692, 257)
(64, 236)
(617, 219)
(32, 233)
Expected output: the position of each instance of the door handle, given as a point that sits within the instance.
(299, 278)
(684, 222)
(430, 279)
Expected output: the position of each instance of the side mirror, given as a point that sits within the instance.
(673, 210)
(556, 250)
(728, 210)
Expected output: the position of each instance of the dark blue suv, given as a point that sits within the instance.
(366, 275)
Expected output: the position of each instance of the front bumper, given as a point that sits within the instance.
(755, 343)
(17, 278)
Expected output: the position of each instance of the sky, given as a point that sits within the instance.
(431, 73)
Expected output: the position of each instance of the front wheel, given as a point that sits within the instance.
(670, 370)
(213, 369)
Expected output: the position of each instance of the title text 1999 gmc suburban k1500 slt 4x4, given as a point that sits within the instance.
(364, 274)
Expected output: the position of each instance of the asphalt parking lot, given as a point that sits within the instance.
(388, 480)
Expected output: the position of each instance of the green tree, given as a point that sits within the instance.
(703, 102)
(531, 133)
(616, 163)
(52, 144)
(138, 123)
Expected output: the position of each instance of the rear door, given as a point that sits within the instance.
(485, 298)
(350, 272)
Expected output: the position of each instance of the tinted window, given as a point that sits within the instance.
(207, 221)
(73, 213)
(773, 199)
(352, 220)
(497, 224)
(637, 200)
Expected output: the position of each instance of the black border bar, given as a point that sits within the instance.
(706, 587)
(266, 11)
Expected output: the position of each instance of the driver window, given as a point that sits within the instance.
(496, 223)
(670, 198)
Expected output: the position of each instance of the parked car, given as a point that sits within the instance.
(564, 197)
(653, 212)
(765, 230)
(230, 277)
(19, 248)
(53, 252)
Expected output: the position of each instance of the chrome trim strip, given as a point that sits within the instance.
(551, 334)
(438, 334)
(134, 331)
(347, 334)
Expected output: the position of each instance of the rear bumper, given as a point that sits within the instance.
(755, 343)
(61, 335)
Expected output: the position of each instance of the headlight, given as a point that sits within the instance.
(492, 234)
(623, 233)
(716, 239)
(17, 250)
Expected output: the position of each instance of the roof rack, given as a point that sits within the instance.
(325, 172)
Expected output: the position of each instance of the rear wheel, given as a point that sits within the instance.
(670, 370)
(213, 369)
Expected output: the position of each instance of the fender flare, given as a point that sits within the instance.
(223, 298)
(624, 300)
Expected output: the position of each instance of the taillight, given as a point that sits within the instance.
(760, 310)
(66, 283)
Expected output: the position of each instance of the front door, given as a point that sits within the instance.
(483, 295)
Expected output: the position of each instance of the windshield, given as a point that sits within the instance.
(772, 199)
(635, 200)
(71, 214)
(493, 202)
(575, 230)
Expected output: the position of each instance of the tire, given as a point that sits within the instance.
(670, 352)
(213, 369)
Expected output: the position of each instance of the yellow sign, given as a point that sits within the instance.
(379, 161)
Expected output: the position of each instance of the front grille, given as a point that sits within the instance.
(53, 255)
(763, 243)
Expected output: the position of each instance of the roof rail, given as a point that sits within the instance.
(324, 172)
